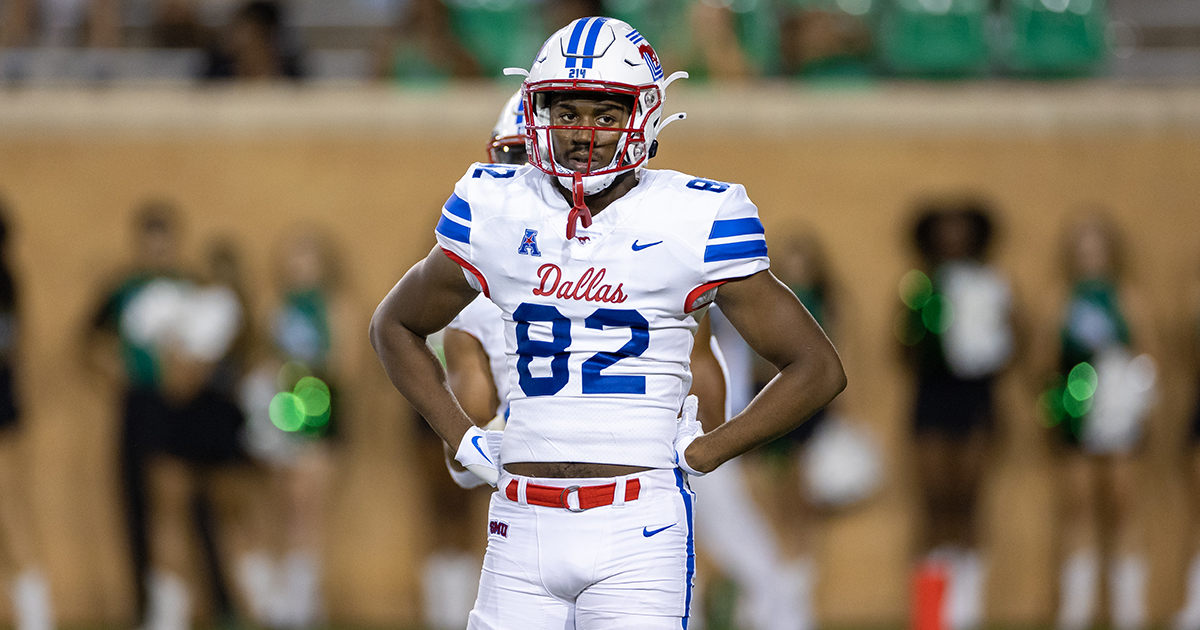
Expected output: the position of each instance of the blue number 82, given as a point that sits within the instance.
(593, 381)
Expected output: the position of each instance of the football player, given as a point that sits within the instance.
(507, 145)
(591, 526)
(736, 538)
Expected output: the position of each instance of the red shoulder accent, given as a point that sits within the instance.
(689, 304)
(471, 268)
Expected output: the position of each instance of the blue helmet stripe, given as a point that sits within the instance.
(573, 44)
(589, 49)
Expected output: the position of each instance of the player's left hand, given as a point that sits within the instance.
(479, 452)
(687, 429)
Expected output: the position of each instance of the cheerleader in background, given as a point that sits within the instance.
(196, 328)
(957, 327)
(1102, 379)
(29, 589)
(294, 414)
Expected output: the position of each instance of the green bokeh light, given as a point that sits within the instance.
(1073, 406)
(314, 394)
(936, 314)
(290, 373)
(1082, 381)
(915, 289)
(287, 411)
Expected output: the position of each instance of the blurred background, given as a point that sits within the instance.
(204, 200)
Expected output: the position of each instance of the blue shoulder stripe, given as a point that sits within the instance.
(459, 208)
(589, 49)
(736, 227)
(453, 231)
(734, 251)
(573, 44)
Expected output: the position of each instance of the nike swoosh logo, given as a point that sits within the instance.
(650, 532)
(638, 248)
(475, 441)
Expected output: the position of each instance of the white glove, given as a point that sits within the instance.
(479, 452)
(687, 429)
(465, 479)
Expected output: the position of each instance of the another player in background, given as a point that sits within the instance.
(1099, 354)
(29, 588)
(776, 467)
(592, 524)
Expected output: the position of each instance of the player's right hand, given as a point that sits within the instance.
(479, 452)
(687, 429)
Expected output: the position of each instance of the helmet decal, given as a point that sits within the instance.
(647, 53)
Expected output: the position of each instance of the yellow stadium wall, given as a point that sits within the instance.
(72, 182)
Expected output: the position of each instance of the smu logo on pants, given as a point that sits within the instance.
(498, 528)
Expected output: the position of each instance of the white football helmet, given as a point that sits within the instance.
(507, 145)
(596, 55)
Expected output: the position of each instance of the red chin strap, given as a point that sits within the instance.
(580, 210)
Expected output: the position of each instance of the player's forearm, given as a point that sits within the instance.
(417, 374)
(799, 391)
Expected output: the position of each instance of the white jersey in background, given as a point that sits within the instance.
(599, 328)
(483, 320)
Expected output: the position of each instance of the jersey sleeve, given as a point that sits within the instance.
(737, 244)
(453, 233)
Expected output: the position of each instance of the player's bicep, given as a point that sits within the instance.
(428, 297)
(772, 320)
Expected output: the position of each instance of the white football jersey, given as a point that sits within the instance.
(598, 329)
(484, 321)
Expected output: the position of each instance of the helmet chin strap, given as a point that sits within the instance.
(580, 210)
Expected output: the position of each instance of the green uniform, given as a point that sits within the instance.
(1093, 323)
(301, 335)
(143, 368)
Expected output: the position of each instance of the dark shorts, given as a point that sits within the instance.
(145, 413)
(8, 399)
(205, 431)
(953, 407)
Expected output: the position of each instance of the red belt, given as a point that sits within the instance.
(557, 496)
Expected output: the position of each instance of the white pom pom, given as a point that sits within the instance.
(842, 464)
